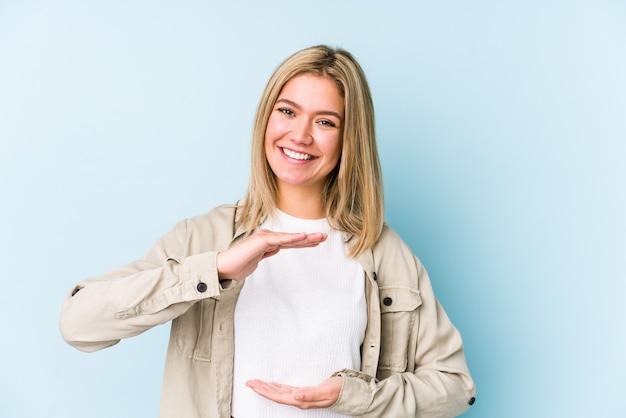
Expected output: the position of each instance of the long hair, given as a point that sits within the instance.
(352, 196)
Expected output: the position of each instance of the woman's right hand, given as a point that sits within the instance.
(240, 260)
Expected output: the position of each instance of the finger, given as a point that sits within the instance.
(279, 387)
(272, 392)
(290, 237)
(268, 242)
(315, 238)
(310, 240)
(280, 237)
(303, 398)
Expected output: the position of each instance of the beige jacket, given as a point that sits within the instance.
(413, 363)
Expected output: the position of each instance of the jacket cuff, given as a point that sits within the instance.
(197, 279)
(356, 393)
(199, 276)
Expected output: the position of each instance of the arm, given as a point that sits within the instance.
(99, 312)
(439, 383)
(178, 271)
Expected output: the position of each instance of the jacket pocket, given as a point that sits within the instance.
(192, 332)
(398, 308)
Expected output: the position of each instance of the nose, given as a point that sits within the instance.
(301, 131)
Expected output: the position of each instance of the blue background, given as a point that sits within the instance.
(502, 133)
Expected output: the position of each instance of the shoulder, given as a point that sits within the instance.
(390, 243)
(213, 229)
(223, 215)
(395, 260)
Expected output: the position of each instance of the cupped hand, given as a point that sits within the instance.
(240, 260)
(321, 396)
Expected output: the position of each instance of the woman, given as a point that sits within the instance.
(296, 301)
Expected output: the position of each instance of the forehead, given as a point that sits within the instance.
(314, 91)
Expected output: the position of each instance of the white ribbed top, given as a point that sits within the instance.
(300, 317)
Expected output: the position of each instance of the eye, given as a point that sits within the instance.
(286, 111)
(326, 122)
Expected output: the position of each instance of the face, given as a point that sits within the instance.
(303, 135)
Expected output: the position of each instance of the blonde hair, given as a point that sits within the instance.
(352, 196)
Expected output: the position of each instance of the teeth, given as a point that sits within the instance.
(297, 155)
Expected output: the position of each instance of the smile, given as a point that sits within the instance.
(296, 155)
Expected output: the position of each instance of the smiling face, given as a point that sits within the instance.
(303, 134)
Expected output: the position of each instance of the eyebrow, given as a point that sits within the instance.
(321, 112)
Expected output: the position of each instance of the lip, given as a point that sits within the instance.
(285, 150)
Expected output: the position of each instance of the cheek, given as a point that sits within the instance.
(270, 135)
(333, 147)
(275, 128)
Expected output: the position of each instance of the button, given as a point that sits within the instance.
(375, 276)
(387, 301)
(471, 401)
(202, 287)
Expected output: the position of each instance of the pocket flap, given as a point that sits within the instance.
(399, 299)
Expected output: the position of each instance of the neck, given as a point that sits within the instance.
(304, 203)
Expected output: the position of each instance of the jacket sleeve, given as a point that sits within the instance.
(439, 384)
(99, 312)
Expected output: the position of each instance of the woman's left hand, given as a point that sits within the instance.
(321, 396)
